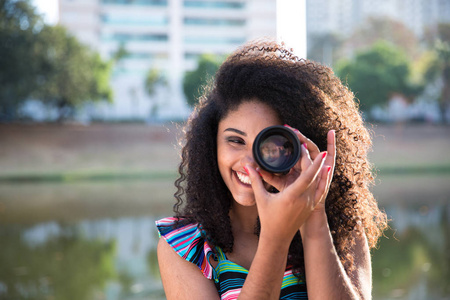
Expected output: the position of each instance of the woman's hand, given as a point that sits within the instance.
(301, 191)
(328, 166)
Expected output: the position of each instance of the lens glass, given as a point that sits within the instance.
(276, 151)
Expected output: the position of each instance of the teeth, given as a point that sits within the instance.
(244, 178)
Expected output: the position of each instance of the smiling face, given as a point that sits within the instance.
(235, 137)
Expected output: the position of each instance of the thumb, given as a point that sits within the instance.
(256, 181)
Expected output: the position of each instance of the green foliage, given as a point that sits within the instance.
(153, 78)
(45, 62)
(19, 66)
(120, 53)
(439, 66)
(67, 266)
(73, 74)
(194, 81)
(374, 75)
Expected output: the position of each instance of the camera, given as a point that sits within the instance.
(276, 149)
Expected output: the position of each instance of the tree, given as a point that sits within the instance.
(153, 80)
(72, 74)
(436, 65)
(47, 63)
(375, 74)
(440, 67)
(386, 29)
(195, 80)
(19, 62)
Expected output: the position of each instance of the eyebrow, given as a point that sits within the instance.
(236, 131)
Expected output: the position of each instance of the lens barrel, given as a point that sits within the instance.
(276, 149)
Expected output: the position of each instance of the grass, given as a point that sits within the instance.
(105, 175)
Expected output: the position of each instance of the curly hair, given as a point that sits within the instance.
(305, 95)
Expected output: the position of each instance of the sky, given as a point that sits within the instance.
(49, 9)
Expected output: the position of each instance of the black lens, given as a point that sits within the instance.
(276, 149)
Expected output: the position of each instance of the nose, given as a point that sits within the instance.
(247, 159)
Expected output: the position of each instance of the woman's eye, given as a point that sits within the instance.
(236, 140)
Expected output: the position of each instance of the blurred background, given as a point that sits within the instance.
(94, 94)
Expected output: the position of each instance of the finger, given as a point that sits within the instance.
(305, 158)
(256, 182)
(326, 175)
(331, 149)
(278, 182)
(309, 175)
(303, 163)
(312, 147)
(323, 184)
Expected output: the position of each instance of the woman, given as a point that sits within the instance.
(241, 232)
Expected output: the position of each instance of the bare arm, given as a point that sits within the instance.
(182, 279)
(325, 274)
(266, 273)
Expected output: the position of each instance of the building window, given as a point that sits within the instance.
(143, 55)
(215, 4)
(213, 22)
(133, 20)
(128, 37)
(214, 40)
(137, 2)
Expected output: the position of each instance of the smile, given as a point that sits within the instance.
(244, 178)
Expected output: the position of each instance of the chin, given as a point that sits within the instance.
(245, 201)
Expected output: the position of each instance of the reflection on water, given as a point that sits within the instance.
(59, 255)
(104, 259)
(414, 261)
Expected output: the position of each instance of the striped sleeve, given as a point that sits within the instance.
(188, 242)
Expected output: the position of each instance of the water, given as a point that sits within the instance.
(102, 259)
(98, 241)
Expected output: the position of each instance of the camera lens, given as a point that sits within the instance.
(276, 149)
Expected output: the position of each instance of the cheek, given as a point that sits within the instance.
(221, 159)
(226, 159)
(222, 162)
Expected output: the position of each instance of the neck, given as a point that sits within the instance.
(243, 218)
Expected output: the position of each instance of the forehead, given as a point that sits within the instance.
(251, 114)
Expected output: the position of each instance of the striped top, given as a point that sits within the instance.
(189, 242)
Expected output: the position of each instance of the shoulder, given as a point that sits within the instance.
(361, 274)
(180, 264)
(187, 240)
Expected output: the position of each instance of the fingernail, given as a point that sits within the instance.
(329, 169)
(286, 125)
(305, 146)
(324, 155)
(246, 170)
(258, 170)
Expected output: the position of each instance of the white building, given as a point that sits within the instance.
(168, 35)
(344, 16)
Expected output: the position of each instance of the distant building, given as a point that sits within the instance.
(168, 35)
(343, 17)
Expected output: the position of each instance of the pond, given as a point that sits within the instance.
(97, 240)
